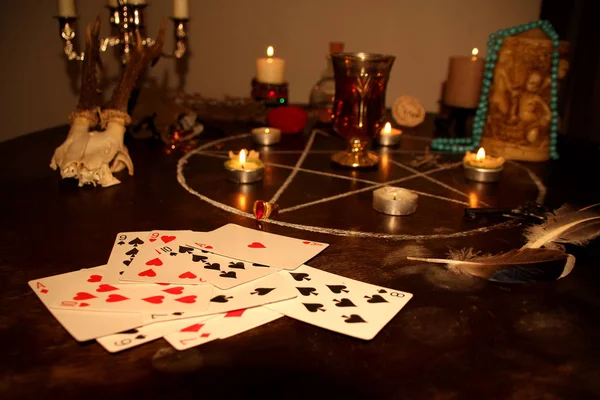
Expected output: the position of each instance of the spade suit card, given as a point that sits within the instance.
(177, 263)
(271, 288)
(340, 304)
(256, 246)
(134, 298)
(145, 334)
(82, 325)
(126, 247)
(222, 326)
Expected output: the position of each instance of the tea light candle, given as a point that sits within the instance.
(245, 167)
(481, 167)
(463, 85)
(389, 136)
(266, 136)
(394, 201)
(270, 69)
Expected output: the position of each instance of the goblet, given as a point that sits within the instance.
(359, 105)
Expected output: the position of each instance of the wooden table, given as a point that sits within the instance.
(458, 337)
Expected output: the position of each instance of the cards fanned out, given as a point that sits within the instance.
(171, 260)
(195, 287)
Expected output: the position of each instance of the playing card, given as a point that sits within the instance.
(126, 247)
(144, 334)
(175, 262)
(194, 334)
(221, 327)
(82, 325)
(269, 289)
(238, 321)
(135, 298)
(340, 304)
(257, 247)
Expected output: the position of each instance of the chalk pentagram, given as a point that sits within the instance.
(205, 151)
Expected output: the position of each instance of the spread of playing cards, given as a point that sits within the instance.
(194, 287)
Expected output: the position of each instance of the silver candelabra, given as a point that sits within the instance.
(125, 20)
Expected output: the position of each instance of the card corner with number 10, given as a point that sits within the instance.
(256, 246)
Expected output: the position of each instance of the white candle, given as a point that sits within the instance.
(394, 201)
(66, 8)
(181, 9)
(266, 136)
(389, 136)
(270, 69)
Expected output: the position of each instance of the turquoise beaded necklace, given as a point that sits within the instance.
(461, 145)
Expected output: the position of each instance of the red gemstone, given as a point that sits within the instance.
(260, 209)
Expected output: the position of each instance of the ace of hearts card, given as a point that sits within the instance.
(256, 246)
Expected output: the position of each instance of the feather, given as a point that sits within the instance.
(565, 225)
(514, 266)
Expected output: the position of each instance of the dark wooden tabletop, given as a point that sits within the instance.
(458, 338)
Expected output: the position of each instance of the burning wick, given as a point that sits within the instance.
(243, 158)
(474, 53)
(387, 129)
(480, 154)
(270, 51)
(394, 195)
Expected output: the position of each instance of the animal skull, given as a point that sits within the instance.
(92, 155)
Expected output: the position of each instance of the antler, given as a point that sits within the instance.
(89, 96)
(139, 59)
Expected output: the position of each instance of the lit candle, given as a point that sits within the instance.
(181, 9)
(66, 8)
(270, 69)
(481, 167)
(245, 167)
(266, 136)
(463, 85)
(389, 136)
(394, 201)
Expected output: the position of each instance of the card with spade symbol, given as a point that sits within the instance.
(340, 304)
(144, 334)
(82, 325)
(126, 247)
(175, 262)
(222, 326)
(134, 298)
(271, 288)
(256, 246)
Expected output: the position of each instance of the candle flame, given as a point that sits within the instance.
(267, 130)
(480, 154)
(387, 129)
(243, 157)
(474, 53)
(270, 51)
